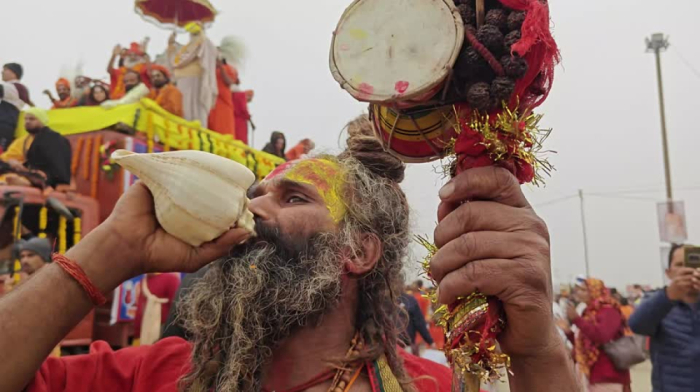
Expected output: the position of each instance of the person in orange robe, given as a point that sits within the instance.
(65, 100)
(302, 148)
(221, 117)
(163, 92)
(241, 113)
(134, 58)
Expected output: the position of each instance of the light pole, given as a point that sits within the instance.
(585, 234)
(656, 44)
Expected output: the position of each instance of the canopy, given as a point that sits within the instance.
(175, 12)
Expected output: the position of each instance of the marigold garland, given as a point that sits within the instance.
(43, 221)
(17, 235)
(95, 169)
(86, 158)
(166, 145)
(77, 230)
(76, 155)
(150, 143)
(62, 236)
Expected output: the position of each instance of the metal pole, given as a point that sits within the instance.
(656, 44)
(585, 234)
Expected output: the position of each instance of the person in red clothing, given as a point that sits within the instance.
(601, 323)
(308, 304)
(156, 293)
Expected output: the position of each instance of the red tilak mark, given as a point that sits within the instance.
(344, 47)
(401, 86)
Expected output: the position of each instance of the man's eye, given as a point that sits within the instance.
(295, 199)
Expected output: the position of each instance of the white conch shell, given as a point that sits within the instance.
(198, 196)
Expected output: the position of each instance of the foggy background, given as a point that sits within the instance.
(603, 108)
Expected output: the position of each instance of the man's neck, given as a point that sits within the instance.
(308, 351)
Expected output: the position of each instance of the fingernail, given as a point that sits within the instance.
(447, 190)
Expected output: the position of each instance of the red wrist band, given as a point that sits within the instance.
(73, 269)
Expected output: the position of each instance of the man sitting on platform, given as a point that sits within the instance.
(163, 92)
(48, 156)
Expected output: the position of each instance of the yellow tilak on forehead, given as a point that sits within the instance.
(326, 176)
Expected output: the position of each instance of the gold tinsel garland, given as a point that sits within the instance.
(464, 355)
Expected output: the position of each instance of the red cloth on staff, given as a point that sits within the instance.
(158, 368)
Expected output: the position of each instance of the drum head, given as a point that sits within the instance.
(415, 136)
(391, 50)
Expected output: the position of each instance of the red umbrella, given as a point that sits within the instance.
(176, 12)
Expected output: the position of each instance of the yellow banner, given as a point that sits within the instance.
(165, 128)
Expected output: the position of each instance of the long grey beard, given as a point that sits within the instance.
(245, 306)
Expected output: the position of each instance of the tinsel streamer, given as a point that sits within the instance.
(149, 132)
(62, 236)
(77, 230)
(86, 158)
(43, 220)
(95, 170)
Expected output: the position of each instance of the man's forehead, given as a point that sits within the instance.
(311, 169)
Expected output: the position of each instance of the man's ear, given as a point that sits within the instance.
(366, 257)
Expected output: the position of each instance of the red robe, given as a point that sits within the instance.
(221, 116)
(158, 368)
(162, 286)
(241, 114)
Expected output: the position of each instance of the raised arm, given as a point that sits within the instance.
(115, 53)
(122, 247)
(490, 240)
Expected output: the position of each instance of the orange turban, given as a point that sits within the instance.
(161, 69)
(63, 82)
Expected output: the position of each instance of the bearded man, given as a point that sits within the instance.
(163, 92)
(135, 91)
(65, 99)
(310, 304)
(135, 59)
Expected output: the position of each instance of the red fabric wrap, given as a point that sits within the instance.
(74, 270)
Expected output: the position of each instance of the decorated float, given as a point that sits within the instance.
(68, 213)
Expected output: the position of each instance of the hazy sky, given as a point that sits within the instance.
(603, 108)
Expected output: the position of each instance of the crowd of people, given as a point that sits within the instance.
(591, 316)
(194, 81)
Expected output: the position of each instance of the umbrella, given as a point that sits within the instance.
(175, 12)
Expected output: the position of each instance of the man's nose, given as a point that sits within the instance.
(263, 207)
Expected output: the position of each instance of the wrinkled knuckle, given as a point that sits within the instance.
(504, 179)
(437, 269)
(468, 245)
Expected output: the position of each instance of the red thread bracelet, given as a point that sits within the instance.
(73, 269)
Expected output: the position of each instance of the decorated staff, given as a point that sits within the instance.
(459, 81)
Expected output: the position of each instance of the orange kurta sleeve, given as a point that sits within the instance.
(172, 100)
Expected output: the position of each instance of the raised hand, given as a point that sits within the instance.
(492, 241)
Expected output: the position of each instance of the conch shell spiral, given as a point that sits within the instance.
(198, 196)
